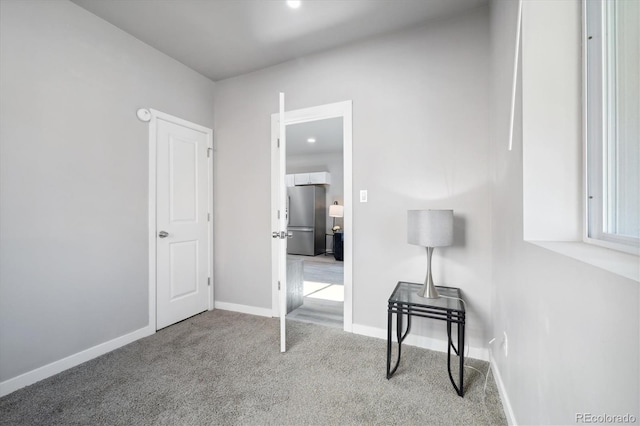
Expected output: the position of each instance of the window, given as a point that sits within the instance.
(612, 88)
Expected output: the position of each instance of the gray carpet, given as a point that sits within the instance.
(224, 368)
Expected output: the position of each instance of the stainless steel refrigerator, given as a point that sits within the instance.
(307, 219)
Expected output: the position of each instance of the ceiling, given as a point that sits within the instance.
(327, 133)
(226, 38)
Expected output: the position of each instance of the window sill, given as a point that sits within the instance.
(619, 263)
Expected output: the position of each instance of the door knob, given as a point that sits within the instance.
(289, 234)
(163, 234)
(275, 234)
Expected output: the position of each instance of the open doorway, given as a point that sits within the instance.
(315, 189)
(322, 242)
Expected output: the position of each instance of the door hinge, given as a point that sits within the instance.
(208, 217)
(209, 281)
(278, 142)
(278, 214)
(278, 285)
(209, 152)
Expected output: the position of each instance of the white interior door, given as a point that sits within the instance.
(183, 232)
(282, 225)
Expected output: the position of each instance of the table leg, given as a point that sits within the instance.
(461, 354)
(455, 350)
(389, 320)
(391, 371)
(400, 336)
(407, 330)
(449, 350)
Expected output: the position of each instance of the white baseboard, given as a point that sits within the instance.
(506, 404)
(56, 367)
(244, 309)
(419, 341)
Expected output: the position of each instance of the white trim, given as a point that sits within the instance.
(211, 219)
(616, 262)
(283, 221)
(244, 309)
(347, 158)
(419, 341)
(152, 220)
(155, 115)
(585, 128)
(275, 224)
(502, 391)
(596, 207)
(612, 245)
(56, 367)
(321, 112)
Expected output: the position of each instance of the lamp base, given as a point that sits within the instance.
(428, 290)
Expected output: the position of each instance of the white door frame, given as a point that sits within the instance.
(321, 112)
(153, 156)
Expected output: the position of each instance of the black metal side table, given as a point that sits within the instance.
(338, 240)
(405, 301)
(326, 251)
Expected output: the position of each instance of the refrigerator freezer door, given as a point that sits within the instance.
(302, 241)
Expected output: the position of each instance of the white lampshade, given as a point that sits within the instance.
(430, 228)
(336, 210)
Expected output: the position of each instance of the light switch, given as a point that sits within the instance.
(363, 195)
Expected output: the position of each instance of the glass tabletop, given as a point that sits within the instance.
(407, 293)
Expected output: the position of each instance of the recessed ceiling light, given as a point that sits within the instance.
(294, 4)
(311, 140)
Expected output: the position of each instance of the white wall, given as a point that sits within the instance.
(420, 140)
(573, 329)
(325, 162)
(74, 177)
(551, 118)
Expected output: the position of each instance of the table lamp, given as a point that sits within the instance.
(430, 228)
(335, 211)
